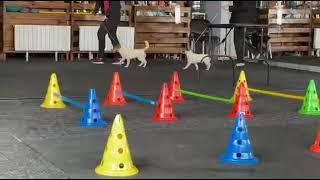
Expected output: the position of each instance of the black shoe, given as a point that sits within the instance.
(118, 61)
(240, 63)
(97, 61)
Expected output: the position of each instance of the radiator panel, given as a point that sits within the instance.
(316, 38)
(88, 39)
(42, 38)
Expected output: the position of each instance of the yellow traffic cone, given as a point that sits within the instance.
(116, 159)
(242, 79)
(51, 100)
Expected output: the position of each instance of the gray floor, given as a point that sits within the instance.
(38, 143)
(301, 60)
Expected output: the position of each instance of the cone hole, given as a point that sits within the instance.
(239, 129)
(316, 108)
(170, 115)
(101, 163)
(167, 97)
(117, 84)
(314, 92)
(121, 165)
(94, 110)
(238, 155)
(54, 85)
(176, 82)
(95, 120)
(93, 101)
(119, 136)
(176, 97)
(239, 142)
(244, 80)
(118, 99)
(308, 91)
(120, 150)
(54, 102)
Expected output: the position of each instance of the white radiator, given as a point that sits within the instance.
(316, 38)
(88, 38)
(42, 38)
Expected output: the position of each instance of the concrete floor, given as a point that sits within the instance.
(38, 143)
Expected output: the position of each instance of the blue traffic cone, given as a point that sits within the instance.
(239, 151)
(92, 115)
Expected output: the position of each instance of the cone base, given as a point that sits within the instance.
(315, 149)
(309, 113)
(164, 120)
(100, 125)
(230, 161)
(56, 106)
(106, 103)
(234, 116)
(101, 171)
(178, 101)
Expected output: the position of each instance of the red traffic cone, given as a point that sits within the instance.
(241, 105)
(176, 97)
(315, 148)
(115, 96)
(164, 111)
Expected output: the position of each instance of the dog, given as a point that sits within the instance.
(128, 54)
(194, 59)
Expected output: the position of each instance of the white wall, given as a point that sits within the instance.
(213, 12)
(225, 18)
(215, 8)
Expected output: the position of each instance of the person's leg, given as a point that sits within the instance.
(112, 26)
(238, 43)
(114, 41)
(102, 43)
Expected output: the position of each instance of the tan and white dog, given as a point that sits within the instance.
(194, 59)
(128, 54)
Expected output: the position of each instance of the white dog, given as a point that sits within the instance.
(194, 59)
(128, 54)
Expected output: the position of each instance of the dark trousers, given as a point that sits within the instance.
(108, 27)
(238, 43)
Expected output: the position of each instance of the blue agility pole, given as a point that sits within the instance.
(70, 101)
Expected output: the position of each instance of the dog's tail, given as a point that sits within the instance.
(147, 45)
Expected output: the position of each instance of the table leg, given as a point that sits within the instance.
(210, 43)
(225, 43)
(233, 73)
(268, 73)
(261, 41)
(244, 43)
